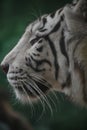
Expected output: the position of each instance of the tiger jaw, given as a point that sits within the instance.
(28, 86)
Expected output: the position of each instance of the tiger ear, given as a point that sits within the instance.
(76, 18)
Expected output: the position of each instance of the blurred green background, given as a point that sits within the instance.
(15, 15)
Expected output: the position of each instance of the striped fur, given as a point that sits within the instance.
(51, 55)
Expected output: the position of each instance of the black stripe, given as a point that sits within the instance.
(44, 20)
(33, 41)
(54, 54)
(55, 29)
(34, 68)
(38, 55)
(40, 62)
(40, 49)
(37, 63)
(60, 10)
(62, 18)
(52, 14)
(62, 46)
(42, 30)
(40, 41)
(57, 26)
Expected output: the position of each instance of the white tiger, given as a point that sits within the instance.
(51, 55)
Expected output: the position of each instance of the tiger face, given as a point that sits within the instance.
(47, 56)
(31, 64)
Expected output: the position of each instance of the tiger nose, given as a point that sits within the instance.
(5, 67)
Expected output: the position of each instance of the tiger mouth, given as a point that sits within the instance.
(31, 86)
(20, 89)
(24, 90)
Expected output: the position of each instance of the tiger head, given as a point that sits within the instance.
(42, 59)
(31, 66)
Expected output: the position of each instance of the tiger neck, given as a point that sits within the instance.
(71, 76)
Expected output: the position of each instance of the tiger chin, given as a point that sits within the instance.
(51, 55)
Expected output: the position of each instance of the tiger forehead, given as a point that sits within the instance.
(32, 27)
(39, 23)
(36, 22)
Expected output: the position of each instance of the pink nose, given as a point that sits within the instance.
(5, 67)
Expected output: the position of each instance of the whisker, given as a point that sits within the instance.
(30, 102)
(57, 99)
(61, 96)
(40, 79)
(54, 94)
(43, 109)
(12, 96)
(43, 96)
(28, 85)
(26, 93)
(30, 89)
(34, 89)
(55, 106)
